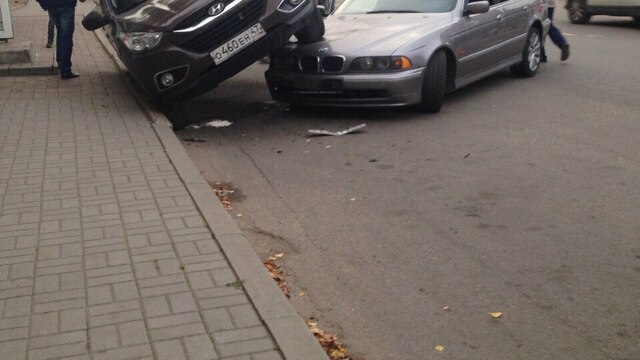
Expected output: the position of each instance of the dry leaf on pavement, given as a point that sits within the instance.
(332, 346)
(495, 315)
(439, 348)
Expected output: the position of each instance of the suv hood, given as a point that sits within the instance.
(162, 13)
(378, 34)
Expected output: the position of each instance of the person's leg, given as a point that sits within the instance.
(64, 46)
(558, 39)
(50, 31)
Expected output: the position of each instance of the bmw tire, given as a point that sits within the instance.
(530, 63)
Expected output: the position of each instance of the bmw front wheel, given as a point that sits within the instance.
(434, 84)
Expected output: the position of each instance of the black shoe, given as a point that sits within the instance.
(565, 53)
(49, 45)
(68, 76)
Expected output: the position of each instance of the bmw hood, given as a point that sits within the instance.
(377, 34)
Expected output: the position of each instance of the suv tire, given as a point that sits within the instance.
(312, 32)
(577, 11)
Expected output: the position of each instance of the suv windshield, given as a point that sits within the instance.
(394, 6)
(120, 6)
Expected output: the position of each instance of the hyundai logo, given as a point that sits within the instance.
(216, 9)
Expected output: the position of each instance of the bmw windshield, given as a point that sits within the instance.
(350, 7)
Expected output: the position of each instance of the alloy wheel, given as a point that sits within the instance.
(534, 51)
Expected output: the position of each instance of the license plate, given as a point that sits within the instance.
(238, 43)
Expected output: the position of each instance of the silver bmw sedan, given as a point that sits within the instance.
(409, 52)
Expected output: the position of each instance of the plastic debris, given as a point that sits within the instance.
(336, 133)
(212, 123)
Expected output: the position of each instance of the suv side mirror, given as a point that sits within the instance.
(94, 20)
(326, 7)
(477, 7)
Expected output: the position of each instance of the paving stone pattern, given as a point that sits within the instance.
(103, 254)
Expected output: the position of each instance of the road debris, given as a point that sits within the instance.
(332, 346)
(223, 192)
(439, 348)
(350, 130)
(212, 123)
(496, 315)
(276, 273)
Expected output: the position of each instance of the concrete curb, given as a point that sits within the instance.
(288, 329)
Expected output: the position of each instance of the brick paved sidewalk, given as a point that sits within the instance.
(103, 253)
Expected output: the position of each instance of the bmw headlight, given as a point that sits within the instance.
(140, 41)
(380, 63)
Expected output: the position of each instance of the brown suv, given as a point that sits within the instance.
(179, 49)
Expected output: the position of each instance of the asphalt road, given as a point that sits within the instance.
(522, 197)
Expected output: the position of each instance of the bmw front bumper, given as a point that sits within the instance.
(347, 90)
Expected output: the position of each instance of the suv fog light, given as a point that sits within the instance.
(167, 79)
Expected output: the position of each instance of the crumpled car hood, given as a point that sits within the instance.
(378, 34)
(159, 13)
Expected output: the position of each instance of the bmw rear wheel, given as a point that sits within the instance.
(434, 85)
(577, 11)
(530, 56)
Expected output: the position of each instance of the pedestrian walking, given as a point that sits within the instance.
(63, 14)
(51, 30)
(556, 36)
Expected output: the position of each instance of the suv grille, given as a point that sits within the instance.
(242, 18)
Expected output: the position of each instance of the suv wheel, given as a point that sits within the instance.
(578, 12)
(312, 32)
(530, 56)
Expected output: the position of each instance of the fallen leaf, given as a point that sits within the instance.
(439, 348)
(328, 146)
(495, 315)
(445, 308)
(239, 215)
(353, 199)
(301, 293)
(278, 255)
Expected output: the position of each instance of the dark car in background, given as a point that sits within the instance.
(176, 50)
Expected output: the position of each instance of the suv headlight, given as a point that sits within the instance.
(380, 63)
(140, 41)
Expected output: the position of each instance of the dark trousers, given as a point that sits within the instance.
(555, 35)
(51, 30)
(64, 19)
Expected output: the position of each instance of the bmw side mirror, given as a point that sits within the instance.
(94, 20)
(326, 7)
(476, 7)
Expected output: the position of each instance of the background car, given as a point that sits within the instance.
(397, 53)
(178, 49)
(580, 11)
